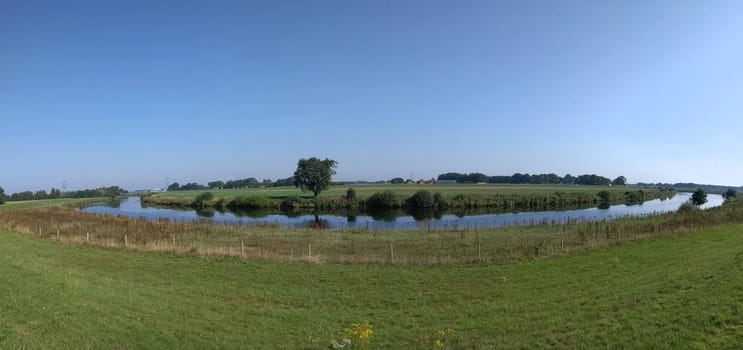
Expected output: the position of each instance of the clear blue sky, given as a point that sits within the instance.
(131, 92)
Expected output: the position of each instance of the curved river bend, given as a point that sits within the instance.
(132, 207)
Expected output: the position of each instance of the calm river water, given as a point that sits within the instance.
(132, 207)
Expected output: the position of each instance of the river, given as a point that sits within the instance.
(132, 207)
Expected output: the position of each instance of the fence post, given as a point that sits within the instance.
(392, 253)
(87, 237)
(242, 247)
(309, 250)
(126, 241)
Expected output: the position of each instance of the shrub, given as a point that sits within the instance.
(634, 197)
(350, 194)
(699, 197)
(200, 200)
(382, 200)
(730, 193)
(687, 207)
(421, 199)
(439, 201)
(604, 196)
(291, 203)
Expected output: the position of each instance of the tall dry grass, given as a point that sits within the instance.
(424, 246)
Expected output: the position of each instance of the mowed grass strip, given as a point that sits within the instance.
(679, 292)
(364, 191)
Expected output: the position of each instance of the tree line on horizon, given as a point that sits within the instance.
(54, 193)
(537, 179)
(250, 182)
(691, 186)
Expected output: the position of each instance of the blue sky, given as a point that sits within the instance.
(131, 92)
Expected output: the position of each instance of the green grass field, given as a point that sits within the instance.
(364, 191)
(680, 292)
(40, 203)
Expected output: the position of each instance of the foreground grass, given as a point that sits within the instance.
(677, 292)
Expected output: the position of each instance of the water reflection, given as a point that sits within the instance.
(395, 219)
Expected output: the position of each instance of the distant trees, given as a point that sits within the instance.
(465, 178)
(2, 195)
(730, 193)
(216, 185)
(21, 196)
(41, 194)
(619, 181)
(593, 180)
(699, 197)
(191, 186)
(568, 180)
(250, 182)
(289, 181)
(112, 191)
(314, 174)
(397, 181)
(519, 178)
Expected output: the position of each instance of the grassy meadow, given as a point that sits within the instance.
(679, 292)
(364, 191)
(10, 206)
(501, 197)
(675, 284)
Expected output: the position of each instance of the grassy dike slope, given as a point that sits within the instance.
(679, 292)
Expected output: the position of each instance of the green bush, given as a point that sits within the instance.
(439, 201)
(604, 196)
(699, 197)
(350, 194)
(687, 207)
(383, 200)
(201, 199)
(421, 199)
(291, 203)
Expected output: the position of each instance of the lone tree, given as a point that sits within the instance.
(314, 174)
(620, 181)
(2, 195)
(699, 197)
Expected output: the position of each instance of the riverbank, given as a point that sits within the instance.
(422, 246)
